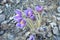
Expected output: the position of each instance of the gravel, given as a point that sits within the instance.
(50, 17)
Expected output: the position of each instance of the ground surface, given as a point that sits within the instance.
(8, 30)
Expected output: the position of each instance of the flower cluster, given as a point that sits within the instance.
(21, 22)
(29, 13)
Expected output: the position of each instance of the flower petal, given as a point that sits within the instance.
(17, 11)
(19, 26)
(31, 37)
(29, 12)
(39, 8)
(17, 18)
(33, 17)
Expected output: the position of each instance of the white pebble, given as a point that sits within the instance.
(58, 9)
(53, 24)
(58, 18)
(1, 11)
(55, 30)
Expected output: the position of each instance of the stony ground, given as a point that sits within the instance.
(51, 17)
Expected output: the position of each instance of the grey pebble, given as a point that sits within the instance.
(2, 32)
(6, 24)
(10, 37)
(7, 5)
(56, 37)
(59, 27)
(55, 31)
(2, 17)
(17, 1)
(58, 9)
(53, 24)
(55, 28)
(58, 15)
(41, 0)
(49, 34)
(58, 18)
(1, 11)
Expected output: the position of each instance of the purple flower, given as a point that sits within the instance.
(33, 17)
(21, 24)
(31, 37)
(39, 8)
(17, 18)
(28, 12)
(17, 11)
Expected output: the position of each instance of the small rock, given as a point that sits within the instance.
(58, 18)
(7, 5)
(10, 37)
(49, 34)
(55, 31)
(54, 28)
(5, 25)
(2, 31)
(44, 14)
(58, 15)
(5, 22)
(59, 27)
(39, 37)
(56, 37)
(58, 9)
(42, 1)
(17, 1)
(43, 28)
(11, 18)
(54, 18)
(53, 24)
(2, 17)
(27, 34)
(15, 30)
(1, 11)
(58, 3)
(48, 20)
